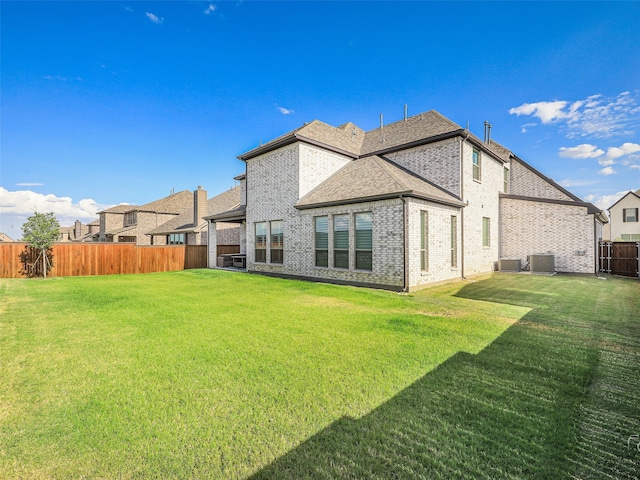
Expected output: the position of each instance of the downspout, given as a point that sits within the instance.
(466, 135)
(405, 249)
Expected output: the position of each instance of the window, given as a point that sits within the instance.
(631, 237)
(125, 239)
(130, 218)
(505, 174)
(322, 241)
(341, 241)
(424, 241)
(454, 241)
(630, 215)
(175, 239)
(364, 241)
(477, 164)
(261, 242)
(276, 241)
(486, 232)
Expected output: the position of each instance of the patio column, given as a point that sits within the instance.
(212, 245)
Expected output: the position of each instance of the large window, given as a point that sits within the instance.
(454, 241)
(176, 239)
(364, 241)
(630, 237)
(341, 241)
(477, 165)
(130, 218)
(630, 215)
(486, 232)
(261, 242)
(276, 241)
(322, 241)
(424, 241)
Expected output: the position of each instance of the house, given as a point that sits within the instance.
(190, 227)
(624, 220)
(5, 238)
(406, 205)
(128, 223)
(79, 232)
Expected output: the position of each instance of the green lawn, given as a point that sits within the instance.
(210, 374)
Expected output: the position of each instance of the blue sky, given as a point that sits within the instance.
(115, 102)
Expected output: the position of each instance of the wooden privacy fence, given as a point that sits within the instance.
(78, 259)
(619, 258)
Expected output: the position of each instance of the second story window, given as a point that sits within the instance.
(630, 215)
(477, 165)
(130, 218)
(505, 174)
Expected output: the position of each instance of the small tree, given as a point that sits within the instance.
(40, 231)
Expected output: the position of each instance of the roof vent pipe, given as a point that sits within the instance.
(406, 108)
(484, 139)
(489, 133)
(381, 122)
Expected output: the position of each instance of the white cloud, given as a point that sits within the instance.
(585, 150)
(606, 171)
(596, 116)
(154, 18)
(285, 111)
(568, 183)
(29, 184)
(210, 9)
(605, 201)
(26, 202)
(636, 167)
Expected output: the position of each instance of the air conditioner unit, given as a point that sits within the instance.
(542, 263)
(509, 265)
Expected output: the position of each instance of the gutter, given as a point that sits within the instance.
(405, 252)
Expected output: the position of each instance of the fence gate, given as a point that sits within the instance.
(619, 258)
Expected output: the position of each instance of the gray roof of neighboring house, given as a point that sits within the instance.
(118, 209)
(374, 178)
(174, 203)
(184, 222)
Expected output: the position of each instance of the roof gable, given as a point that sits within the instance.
(635, 194)
(373, 178)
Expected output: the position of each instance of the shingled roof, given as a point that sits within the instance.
(118, 209)
(174, 203)
(374, 178)
(184, 222)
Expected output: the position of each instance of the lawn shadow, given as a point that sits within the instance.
(511, 411)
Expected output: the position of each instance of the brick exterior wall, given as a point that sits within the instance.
(527, 183)
(483, 202)
(438, 162)
(315, 166)
(566, 231)
(147, 221)
(438, 243)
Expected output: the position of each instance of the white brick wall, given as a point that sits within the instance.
(438, 162)
(439, 243)
(316, 165)
(526, 183)
(566, 231)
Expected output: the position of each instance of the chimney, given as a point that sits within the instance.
(77, 229)
(199, 205)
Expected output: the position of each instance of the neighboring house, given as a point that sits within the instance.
(127, 223)
(79, 232)
(412, 203)
(5, 238)
(190, 227)
(624, 220)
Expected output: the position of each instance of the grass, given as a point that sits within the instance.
(208, 374)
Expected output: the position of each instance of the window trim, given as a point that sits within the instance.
(424, 241)
(625, 217)
(273, 237)
(361, 250)
(315, 241)
(476, 169)
(335, 240)
(255, 245)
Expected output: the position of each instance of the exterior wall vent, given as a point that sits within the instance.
(542, 263)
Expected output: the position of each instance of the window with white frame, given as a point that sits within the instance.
(341, 241)
(364, 241)
(261, 242)
(176, 239)
(277, 241)
(424, 241)
(322, 241)
(630, 215)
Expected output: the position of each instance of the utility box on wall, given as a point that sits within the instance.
(542, 263)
